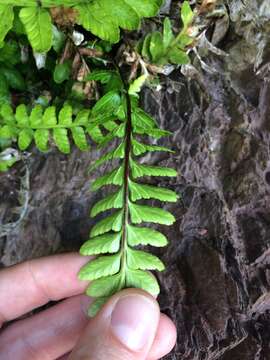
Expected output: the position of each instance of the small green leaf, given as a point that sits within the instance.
(65, 116)
(142, 280)
(137, 259)
(8, 132)
(146, 47)
(105, 286)
(137, 85)
(113, 201)
(82, 117)
(155, 133)
(142, 119)
(115, 177)
(22, 116)
(186, 14)
(145, 213)
(25, 139)
(167, 33)
(139, 148)
(14, 78)
(79, 138)
(38, 26)
(107, 243)
(100, 267)
(141, 191)
(60, 136)
(177, 56)
(96, 306)
(107, 104)
(6, 113)
(62, 72)
(117, 153)
(112, 222)
(41, 139)
(145, 236)
(49, 117)
(7, 16)
(139, 170)
(104, 76)
(35, 118)
(156, 46)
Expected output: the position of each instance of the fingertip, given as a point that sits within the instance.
(165, 339)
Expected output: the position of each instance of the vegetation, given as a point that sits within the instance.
(69, 77)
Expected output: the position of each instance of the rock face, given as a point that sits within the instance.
(217, 283)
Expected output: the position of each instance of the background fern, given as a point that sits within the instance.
(113, 238)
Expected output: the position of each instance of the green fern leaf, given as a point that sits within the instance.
(65, 116)
(139, 148)
(137, 259)
(117, 153)
(155, 133)
(41, 139)
(113, 201)
(49, 117)
(96, 306)
(108, 243)
(145, 236)
(6, 16)
(82, 117)
(60, 136)
(139, 170)
(38, 26)
(140, 118)
(107, 104)
(6, 113)
(22, 116)
(141, 191)
(145, 213)
(112, 222)
(187, 14)
(8, 132)
(79, 138)
(105, 286)
(100, 267)
(142, 280)
(25, 139)
(35, 118)
(115, 177)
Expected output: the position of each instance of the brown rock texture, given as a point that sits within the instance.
(217, 283)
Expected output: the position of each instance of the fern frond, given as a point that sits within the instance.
(117, 231)
(42, 126)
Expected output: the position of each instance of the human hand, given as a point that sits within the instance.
(129, 327)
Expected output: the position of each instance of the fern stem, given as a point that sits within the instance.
(128, 134)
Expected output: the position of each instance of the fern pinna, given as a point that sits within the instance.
(113, 239)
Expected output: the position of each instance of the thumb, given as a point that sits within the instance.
(124, 329)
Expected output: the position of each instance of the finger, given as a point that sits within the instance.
(31, 284)
(163, 343)
(165, 339)
(124, 329)
(47, 335)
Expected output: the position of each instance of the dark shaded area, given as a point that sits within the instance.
(217, 282)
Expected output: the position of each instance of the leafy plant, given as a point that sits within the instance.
(165, 48)
(50, 96)
(101, 17)
(114, 237)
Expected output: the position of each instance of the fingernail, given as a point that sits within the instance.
(134, 320)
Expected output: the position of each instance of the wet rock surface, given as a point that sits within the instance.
(217, 283)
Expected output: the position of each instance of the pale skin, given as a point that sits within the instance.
(63, 331)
